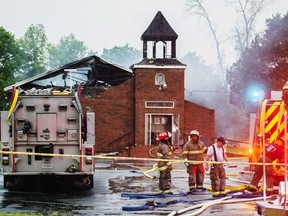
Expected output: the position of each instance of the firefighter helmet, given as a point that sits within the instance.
(164, 135)
(194, 132)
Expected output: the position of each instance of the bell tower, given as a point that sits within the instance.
(159, 33)
(159, 85)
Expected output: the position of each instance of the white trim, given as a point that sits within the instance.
(147, 139)
(159, 76)
(160, 107)
(156, 66)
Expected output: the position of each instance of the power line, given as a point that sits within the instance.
(207, 91)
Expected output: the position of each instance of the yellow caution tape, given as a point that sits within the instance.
(131, 158)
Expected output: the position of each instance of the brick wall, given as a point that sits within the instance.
(200, 118)
(117, 125)
(114, 117)
(136, 151)
(146, 90)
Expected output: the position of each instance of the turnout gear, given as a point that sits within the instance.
(217, 153)
(273, 152)
(165, 166)
(194, 151)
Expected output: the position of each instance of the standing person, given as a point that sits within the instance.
(273, 152)
(217, 153)
(194, 150)
(164, 166)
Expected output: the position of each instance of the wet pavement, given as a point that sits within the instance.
(114, 178)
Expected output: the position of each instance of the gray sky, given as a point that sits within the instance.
(106, 23)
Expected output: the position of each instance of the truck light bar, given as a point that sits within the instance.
(5, 157)
(88, 151)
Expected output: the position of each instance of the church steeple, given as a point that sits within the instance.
(159, 30)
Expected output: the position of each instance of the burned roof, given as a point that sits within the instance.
(159, 29)
(89, 70)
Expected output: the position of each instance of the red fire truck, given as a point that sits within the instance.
(266, 126)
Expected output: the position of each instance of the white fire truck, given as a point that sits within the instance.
(47, 139)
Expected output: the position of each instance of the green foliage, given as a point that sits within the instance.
(125, 56)
(34, 45)
(20, 214)
(263, 66)
(68, 49)
(10, 60)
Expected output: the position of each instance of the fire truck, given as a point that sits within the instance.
(47, 139)
(266, 125)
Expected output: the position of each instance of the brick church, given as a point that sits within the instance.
(133, 105)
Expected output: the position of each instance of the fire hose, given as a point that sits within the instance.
(151, 195)
(204, 206)
(151, 204)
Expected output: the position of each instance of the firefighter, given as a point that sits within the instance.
(217, 153)
(165, 166)
(273, 152)
(194, 151)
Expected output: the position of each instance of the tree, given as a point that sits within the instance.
(34, 45)
(10, 60)
(67, 50)
(125, 55)
(196, 7)
(247, 11)
(263, 66)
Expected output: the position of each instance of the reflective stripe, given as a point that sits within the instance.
(223, 192)
(252, 186)
(216, 193)
(163, 168)
(194, 163)
(193, 152)
(192, 187)
(269, 189)
(159, 155)
(199, 186)
(164, 191)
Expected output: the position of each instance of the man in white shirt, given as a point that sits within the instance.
(216, 153)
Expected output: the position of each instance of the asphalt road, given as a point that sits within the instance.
(113, 178)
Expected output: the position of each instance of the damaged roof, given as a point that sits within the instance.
(159, 62)
(159, 29)
(91, 69)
